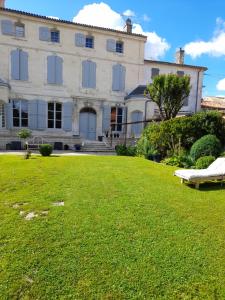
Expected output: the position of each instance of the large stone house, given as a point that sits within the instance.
(69, 82)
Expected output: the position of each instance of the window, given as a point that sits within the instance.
(2, 115)
(54, 70)
(20, 113)
(13, 29)
(89, 74)
(119, 47)
(19, 30)
(180, 73)
(155, 72)
(89, 42)
(118, 78)
(116, 118)
(54, 115)
(55, 36)
(19, 65)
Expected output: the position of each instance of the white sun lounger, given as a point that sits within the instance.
(216, 171)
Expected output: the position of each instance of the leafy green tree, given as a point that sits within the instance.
(169, 93)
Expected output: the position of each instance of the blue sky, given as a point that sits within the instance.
(176, 23)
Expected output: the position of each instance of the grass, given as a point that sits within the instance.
(128, 230)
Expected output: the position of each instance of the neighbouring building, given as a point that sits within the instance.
(214, 103)
(69, 82)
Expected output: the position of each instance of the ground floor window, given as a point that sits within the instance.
(116, 118)
(2, 115)
(54, 115)
(20, 113)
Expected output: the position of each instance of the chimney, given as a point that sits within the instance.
(2, 3)
(180, 56)
(129, 25)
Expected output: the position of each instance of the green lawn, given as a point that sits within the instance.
(128, 230)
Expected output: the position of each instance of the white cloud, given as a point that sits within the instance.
(52, 17)
(214, 47)
(129, 13)
(101, 14)
(146, 18)
(221, 85)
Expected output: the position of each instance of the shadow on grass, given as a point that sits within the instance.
(209, 186)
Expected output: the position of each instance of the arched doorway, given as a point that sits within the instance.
(88, 123)
(136, 128)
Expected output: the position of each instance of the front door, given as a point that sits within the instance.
(88, 125)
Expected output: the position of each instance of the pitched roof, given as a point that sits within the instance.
(175, 64)
(138, 92)
(18, 12)
(213, 103)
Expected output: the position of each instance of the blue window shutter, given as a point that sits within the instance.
(116, 78)
(92, 74)
(137, 116)
(106, 118)
(7, 27)
(42, 115)
(85, 74)
(9, 115)
(67, 116)
(44, 34)
(122, 76)
(33, 114)
(51, 70)
(111, 45)
(15, 64)
(23, 66)
(58, 70)
(79, 39)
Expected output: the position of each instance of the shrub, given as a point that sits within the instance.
(124, 150)
(46, 149)
(181, 132)
(207, 145)
(204, 161)
(181, 161)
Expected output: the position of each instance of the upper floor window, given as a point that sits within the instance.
(54, 115)
(2, 115)
(88, 74)
(155, 72)
(55, 36)
(118, 78)
(116, 118)
(54, 69)
(119, 47)
(89, 42)
(49, 35)
(19, 65)
(9, 27)
(180, 73)
(19, 30)
(20, 113)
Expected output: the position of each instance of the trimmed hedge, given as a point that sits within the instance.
(124, 150)
(204, 162)
(45, 149)
(182, 132)
(205, 146)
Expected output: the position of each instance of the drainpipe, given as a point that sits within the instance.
(196, 103)
(145, 118)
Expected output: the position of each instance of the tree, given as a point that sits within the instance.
(169, 93)
(25, 134)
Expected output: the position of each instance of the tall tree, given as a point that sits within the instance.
(169, 93)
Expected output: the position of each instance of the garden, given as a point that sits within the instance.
(107, 228)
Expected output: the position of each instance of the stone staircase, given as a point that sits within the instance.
(95, 146)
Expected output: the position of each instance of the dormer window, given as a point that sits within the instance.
(119, 47)
(55, 36)
(89, 42)
(19, 30)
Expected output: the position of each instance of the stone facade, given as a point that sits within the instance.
(88, 105)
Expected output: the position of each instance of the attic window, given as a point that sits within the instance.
(119, 47)
(19, 30)
(55, 36)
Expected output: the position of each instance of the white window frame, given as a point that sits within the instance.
(53, 40)
(20, 101)
(54, 115)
